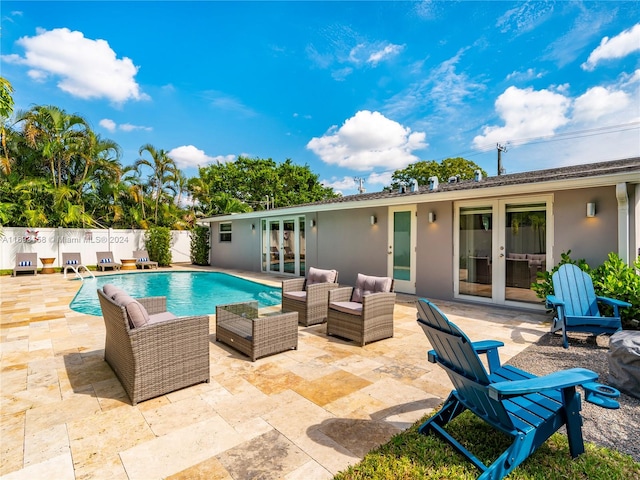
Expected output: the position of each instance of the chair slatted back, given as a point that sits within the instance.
(463, 365)
(575, 287)
(69, 258)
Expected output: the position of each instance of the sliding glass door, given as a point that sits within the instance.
(284, 246)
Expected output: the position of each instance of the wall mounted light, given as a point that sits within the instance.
(313, 223)
(591, 209)
(432, 217)
(253, 227)
(373, 220)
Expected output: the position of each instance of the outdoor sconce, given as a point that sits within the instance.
(313, 223)
(373, 220)
(591, 210)
(431, 217)
(253, 227)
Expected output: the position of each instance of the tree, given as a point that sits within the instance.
(423, 170)
(255, 182)
(6, 110)
(164, 171)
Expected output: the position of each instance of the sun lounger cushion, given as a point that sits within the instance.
(24, 263)
(366, 284)
(317, 275)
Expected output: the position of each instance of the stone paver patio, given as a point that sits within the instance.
(303, 414)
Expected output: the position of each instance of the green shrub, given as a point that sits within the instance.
(158, 244)
(200, 245)
(544, 286)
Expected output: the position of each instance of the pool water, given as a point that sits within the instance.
(188, 293)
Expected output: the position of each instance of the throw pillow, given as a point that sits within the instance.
(367, 284)
(111, 290)
(138, 315)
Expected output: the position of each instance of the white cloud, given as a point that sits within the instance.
(189, 156)
(382, 178)
(227, 158)
(526, 113)
(368, 140)
(597, 102)
(85, 68)
(127, 127)
(108, 124)
(528, 74)
(340, 184)
(617, 47)
(387, 51)
(229, 103)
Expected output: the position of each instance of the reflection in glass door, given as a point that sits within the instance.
(284, 246)
(273, 240)
(525, 242)
(289, 246)
(475, 240)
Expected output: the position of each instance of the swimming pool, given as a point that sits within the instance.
(188, 293)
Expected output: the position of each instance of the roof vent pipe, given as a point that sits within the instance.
(433, 183)
(414, 185)
(477, 175)
(402, 188)
(454, 179)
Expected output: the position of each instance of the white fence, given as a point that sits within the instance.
(52, 242)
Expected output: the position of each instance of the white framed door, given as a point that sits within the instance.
(401, 254)
(284, 245)
(499, 247)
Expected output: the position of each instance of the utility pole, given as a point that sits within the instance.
(501, 148)
(360, 182)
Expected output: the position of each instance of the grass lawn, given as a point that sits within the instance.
(410, 455)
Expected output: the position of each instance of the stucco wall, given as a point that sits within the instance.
(588, 238)
(434, 273)
(243, 252)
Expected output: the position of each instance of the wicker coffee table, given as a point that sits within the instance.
(240, 326)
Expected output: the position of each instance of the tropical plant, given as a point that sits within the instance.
(163, 174)
(200, 245)
(615, 279)
(157, 242)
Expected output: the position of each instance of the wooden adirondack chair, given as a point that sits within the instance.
(576, 305)
(528, 408)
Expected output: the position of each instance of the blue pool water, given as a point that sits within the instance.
(188, 293)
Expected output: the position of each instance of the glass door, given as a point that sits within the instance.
(501, 246)
(402, 248)
(284, 245)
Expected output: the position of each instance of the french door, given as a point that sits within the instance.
(500, 246)
(401, 256)
(284, 246)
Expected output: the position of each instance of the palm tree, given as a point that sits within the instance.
(6, 109)
(164, 170)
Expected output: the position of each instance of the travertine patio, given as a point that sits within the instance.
(303, 414)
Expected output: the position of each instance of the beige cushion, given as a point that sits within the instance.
(517, 256)
(300, 296)
(111, 290)
(367, 284)
(160, 317)
(536, 258)
(138, 315)
(353, 308)
(317, 275)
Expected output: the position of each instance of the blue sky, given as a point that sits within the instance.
(352, 89)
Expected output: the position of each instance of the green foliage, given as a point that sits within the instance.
(248, 182)
(613, 279)
(410, 455)
(158, 244)
(616, 279)
(200, 245)
(423, 170)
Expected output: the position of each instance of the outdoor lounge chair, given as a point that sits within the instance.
(142, 259)
(309, 297)
(151, 351)
(363, 313)
(26, 262)
(105, 260)
(576, 305)
(527, 408)
(73, 261)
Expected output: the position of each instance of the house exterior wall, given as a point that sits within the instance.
(434, 251)
(243, 251)
(588, 238)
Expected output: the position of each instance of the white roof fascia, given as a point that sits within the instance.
(451, 195)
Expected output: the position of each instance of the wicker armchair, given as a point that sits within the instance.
(159, 357)
(309, 296)
(361, 316)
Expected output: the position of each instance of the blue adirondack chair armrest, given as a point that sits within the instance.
(615, 303)
(557, 380)
(490, 347)
(553, 301)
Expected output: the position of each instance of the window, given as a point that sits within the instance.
(224, 230)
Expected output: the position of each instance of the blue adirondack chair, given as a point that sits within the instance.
(528, 408)
(576, 304)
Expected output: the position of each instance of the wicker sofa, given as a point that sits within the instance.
(363, 313)
(164, 354)
(309, 296)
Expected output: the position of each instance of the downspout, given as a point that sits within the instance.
(636, 216)
(623, 222)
